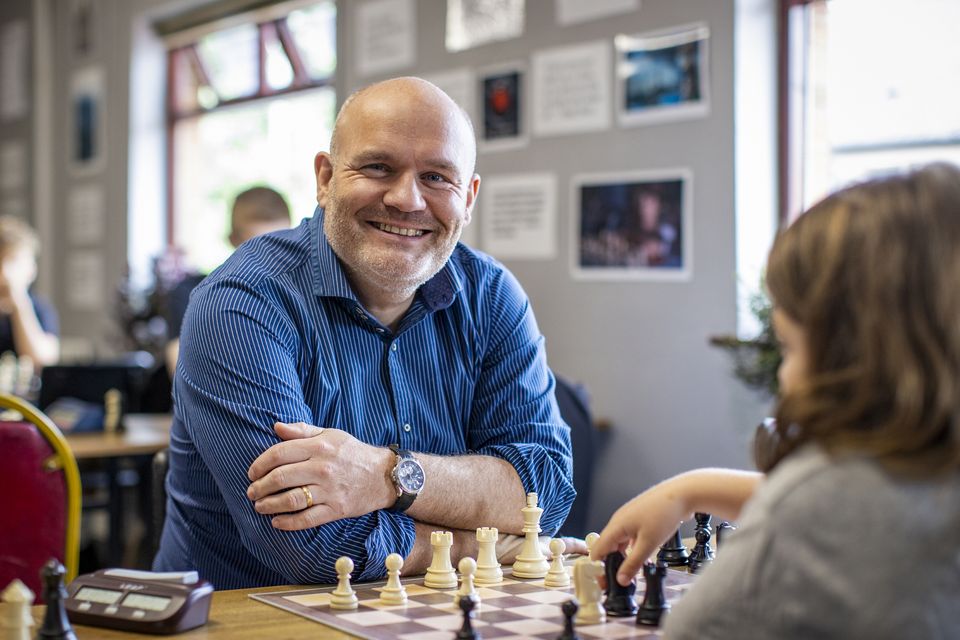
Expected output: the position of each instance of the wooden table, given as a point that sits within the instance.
(233, 616)
(143, 435)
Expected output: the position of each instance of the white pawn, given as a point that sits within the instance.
(530, 562)
(17, 620)
(557, 576)
(343, 597)
(488, 567)
(468, 567)
(440, 573)
(587, 590)
(591, 540)
(394, 593)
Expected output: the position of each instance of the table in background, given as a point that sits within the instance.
(233, 616)
(143, 435)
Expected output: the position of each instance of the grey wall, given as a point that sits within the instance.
(641, 348)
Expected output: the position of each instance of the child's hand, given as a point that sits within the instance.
(643, 524)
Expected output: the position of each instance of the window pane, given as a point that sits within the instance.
(279, 72)
(314, 30)
(231, 58)
(185, 83)
(270, 142)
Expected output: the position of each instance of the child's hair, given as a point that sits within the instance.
(872, 276)
(17, 234)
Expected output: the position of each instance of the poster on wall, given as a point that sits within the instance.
(663, 76)
(83, 24)
(519, 216)
(571, 89)
(471, 23)
(632, 226)
(574, 11)
(86, 210)
(14, 73)
(87, 129)
(385, 36)
(503, 108)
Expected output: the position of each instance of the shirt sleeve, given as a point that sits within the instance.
(239, 376)
(515, 414)
(46, 315)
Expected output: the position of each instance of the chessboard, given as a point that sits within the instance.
(512, 610)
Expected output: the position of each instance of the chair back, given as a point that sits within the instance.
(574, 403)
(41, 498)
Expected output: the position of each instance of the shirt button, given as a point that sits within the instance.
(407, 428)
(393, 347)
(379, 329)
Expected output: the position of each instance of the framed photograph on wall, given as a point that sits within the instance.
(87, 120)
(663, 75)
(632, 226)
(503, 107)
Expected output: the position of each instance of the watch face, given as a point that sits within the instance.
(410, 476)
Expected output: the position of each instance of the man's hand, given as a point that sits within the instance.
(342, 477)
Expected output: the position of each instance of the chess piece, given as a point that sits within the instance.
(55, 626)
(468, 567)
(569, 609)
(393, 593)
(587, 588)
(722, 528)
(488, 567)
(557, 576)
(591, 540)
(440, 573)
(654, 602)
(467, 605)
(18, 620)
(8, 371)
(530, 562)
(702, 553)
(343, 597)
(674, 553)
(112, 410)
(621, 601)
(26, 373)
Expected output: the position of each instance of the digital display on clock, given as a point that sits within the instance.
(103, 596)
(143, 601)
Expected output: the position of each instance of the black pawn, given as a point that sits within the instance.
(673, 553)
(467, 632)
(56, 626)
(569, 608)
(654, 602)
(620, 601)
(702, 553)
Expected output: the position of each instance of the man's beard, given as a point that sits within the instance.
(381, 267)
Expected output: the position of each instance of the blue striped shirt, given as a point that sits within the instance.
(277, 334)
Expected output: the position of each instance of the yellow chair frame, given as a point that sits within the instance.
(64, 459)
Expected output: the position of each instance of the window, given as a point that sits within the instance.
(870, 89)
(248, 103)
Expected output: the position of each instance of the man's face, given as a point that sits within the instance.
(399, 191)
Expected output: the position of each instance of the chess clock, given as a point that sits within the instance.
(140, 601)
(407, 477)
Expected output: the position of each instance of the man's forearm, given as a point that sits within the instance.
(466, 492)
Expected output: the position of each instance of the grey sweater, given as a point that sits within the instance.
(833, 549)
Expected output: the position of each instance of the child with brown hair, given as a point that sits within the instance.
(28, 323)
(854, 530)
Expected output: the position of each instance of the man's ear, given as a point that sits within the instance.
(323, 168)
(472, 189)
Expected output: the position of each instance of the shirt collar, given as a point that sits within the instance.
(330, 281)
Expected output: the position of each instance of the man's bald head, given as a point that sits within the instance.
(405, 92)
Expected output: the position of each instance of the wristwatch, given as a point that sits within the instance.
(407, 477)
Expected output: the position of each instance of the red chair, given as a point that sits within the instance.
(40, 495)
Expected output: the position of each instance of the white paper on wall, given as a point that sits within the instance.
(471, 23)
(456, 83)
(385, 36)
(85, 281)
(519, 216)
(85, 211)
(572, 89)
(574, 11)
(13, 166)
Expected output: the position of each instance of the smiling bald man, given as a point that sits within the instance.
(353, 384)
